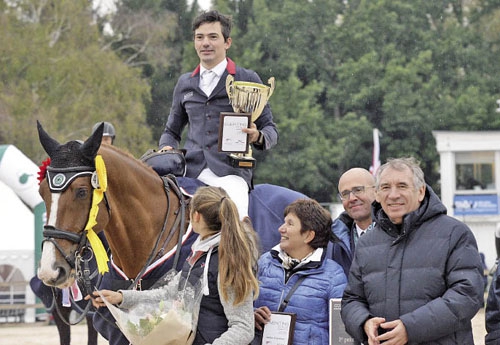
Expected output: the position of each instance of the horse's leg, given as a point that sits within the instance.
(62, 327)
(91, 331)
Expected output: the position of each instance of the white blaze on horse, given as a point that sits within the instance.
(49, 273)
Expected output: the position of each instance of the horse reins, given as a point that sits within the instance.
(169, 182)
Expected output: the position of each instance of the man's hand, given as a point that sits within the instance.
(253, 133)
(262, 316)
(371, 329)
(397, 334)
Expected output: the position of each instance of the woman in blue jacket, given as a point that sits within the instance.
(299, 261)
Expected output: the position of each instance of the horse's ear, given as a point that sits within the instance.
(49, 145)
(91, 145)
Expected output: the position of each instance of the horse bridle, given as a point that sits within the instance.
(58, 180)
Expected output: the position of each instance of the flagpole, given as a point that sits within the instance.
(376, 152)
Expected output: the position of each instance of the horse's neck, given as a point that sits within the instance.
(138, 206)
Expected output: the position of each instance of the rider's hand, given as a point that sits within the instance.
(166, 148)
(253, 133)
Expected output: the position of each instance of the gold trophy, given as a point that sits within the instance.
(247, 98)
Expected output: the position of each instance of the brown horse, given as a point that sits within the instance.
(136, 208)
(141, 214)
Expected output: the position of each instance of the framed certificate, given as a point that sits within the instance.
(231, 137)
(279, 331)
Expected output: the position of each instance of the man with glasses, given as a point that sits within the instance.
(416, 277)
(356, 192)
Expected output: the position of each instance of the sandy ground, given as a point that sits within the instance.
(40, 333)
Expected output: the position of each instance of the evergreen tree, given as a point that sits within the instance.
(58, 74)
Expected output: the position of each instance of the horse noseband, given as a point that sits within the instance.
(50, 233)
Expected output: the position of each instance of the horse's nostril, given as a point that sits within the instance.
(62, 274)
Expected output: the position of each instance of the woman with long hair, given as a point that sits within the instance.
(224, 257)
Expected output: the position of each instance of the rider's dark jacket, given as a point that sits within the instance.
(190, 105)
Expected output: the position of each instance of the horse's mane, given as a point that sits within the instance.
(126, 154)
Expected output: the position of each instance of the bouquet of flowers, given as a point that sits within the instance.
(164, 316)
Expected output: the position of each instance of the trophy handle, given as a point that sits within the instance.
(229, 86)
(271, 86)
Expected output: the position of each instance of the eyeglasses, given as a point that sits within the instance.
(356, 191)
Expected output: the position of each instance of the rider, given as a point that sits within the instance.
(108, 134)
(199, 98)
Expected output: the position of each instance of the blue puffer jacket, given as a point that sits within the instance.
(325, 280)
(342, 251)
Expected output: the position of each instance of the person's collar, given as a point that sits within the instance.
(205, 244)
(314, 256)
(230, 66)
(218, 70)
(359, 230)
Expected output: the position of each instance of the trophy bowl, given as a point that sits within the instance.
(247, 98)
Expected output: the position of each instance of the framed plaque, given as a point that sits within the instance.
(338, 334)
(231, 137)
(279, 331)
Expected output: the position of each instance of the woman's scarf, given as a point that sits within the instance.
(290, 263)
(200, 247)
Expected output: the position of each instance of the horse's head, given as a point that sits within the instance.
(67, 193)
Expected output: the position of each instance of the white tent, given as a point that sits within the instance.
(17, 225)
(17, 251)
(20, 207)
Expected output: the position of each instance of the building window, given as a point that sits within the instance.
(475, 171)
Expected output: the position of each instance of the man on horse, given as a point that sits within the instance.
(199, 98)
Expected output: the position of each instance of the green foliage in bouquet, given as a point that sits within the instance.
(146, 324)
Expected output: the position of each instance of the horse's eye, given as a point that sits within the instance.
(81, 193)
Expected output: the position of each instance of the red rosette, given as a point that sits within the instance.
(43, 170)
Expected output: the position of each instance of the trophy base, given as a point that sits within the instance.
(240, 161)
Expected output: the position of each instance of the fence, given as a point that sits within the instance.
(13, 304)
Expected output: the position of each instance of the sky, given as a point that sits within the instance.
(106, 6)
(204, 4)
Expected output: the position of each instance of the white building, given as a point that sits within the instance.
(470, 182)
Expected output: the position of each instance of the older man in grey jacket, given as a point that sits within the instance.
(199, 98)
(416, 278)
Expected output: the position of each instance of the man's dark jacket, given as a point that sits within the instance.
(191, 106)
(493, 311)
(428, 274)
